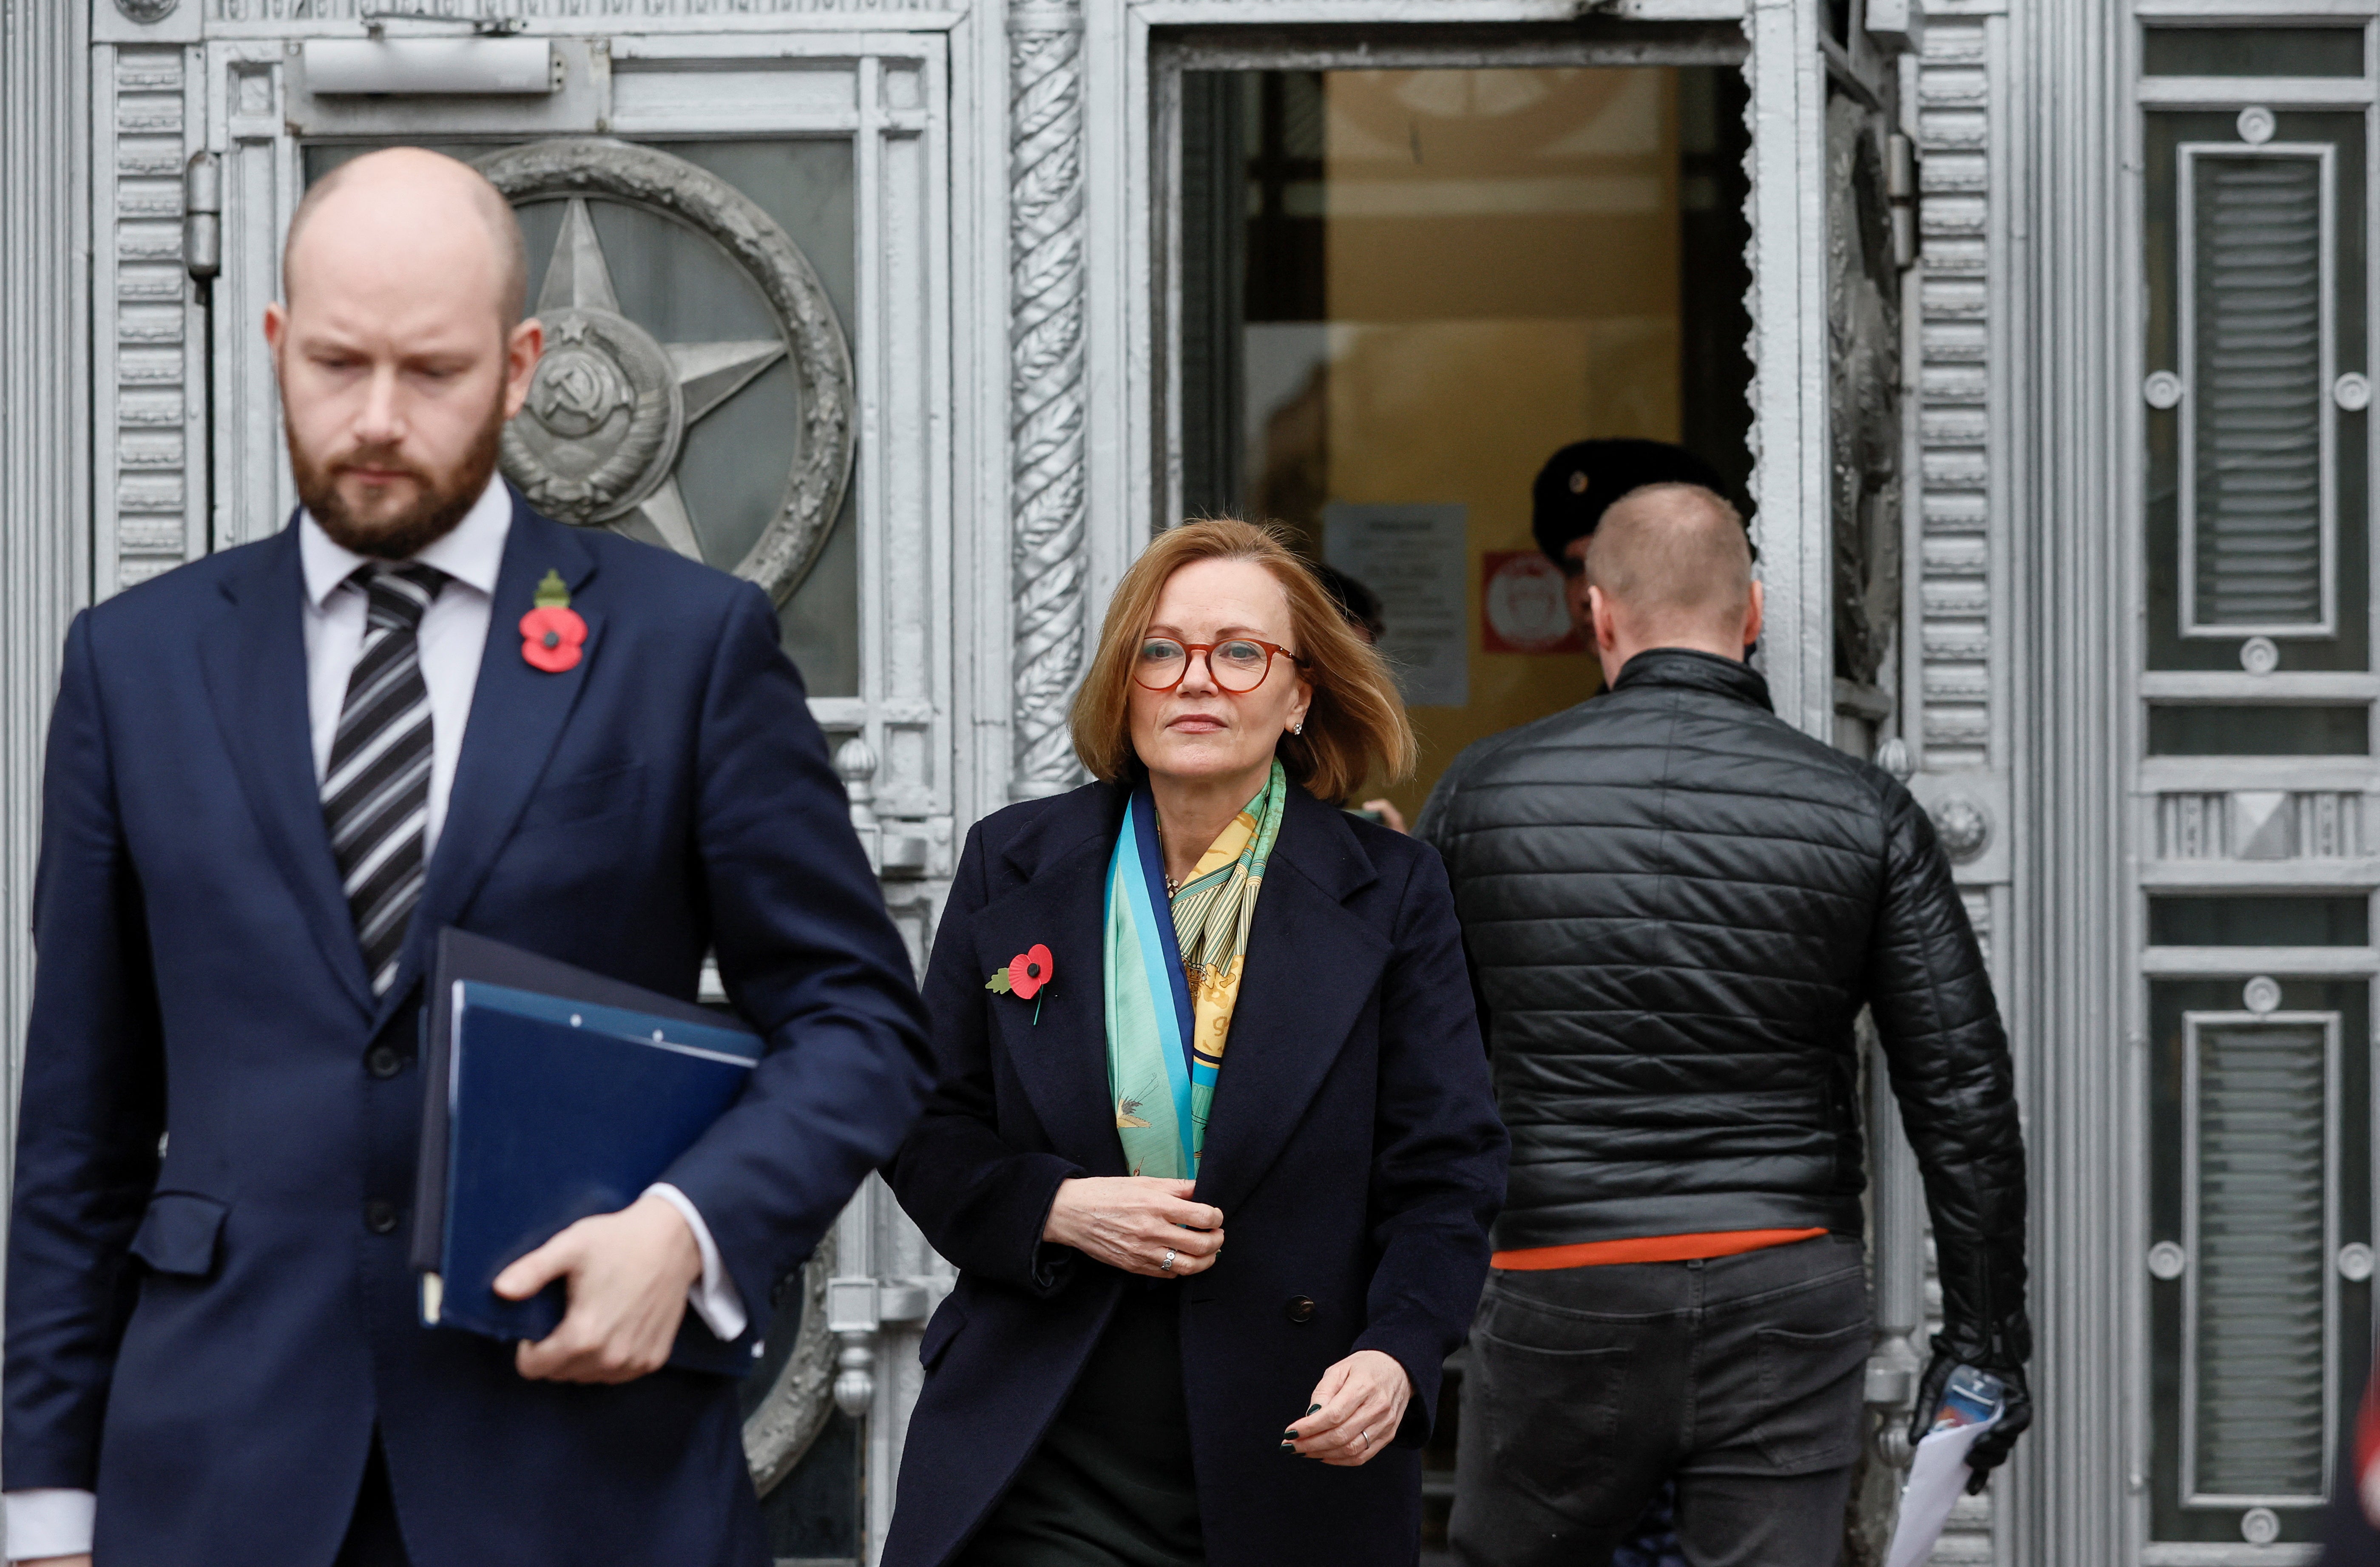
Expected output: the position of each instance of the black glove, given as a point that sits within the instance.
(2016, 1411)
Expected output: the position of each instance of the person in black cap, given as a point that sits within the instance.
(1358, 605)
(1579, 483)
(1360, 608)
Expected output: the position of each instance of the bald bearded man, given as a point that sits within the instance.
(273, 775)
(1675, 905)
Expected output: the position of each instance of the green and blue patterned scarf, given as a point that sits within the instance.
(1173, 970)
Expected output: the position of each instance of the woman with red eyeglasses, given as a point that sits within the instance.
(1194, 1002)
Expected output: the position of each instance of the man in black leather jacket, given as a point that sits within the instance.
(1675, 906)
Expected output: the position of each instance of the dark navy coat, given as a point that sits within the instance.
(1354, 1149)
(207, 1338)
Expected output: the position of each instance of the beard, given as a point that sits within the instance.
(441, 500)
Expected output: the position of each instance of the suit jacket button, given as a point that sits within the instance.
(385, 1061)
(1299, 1308)
(380, 1216)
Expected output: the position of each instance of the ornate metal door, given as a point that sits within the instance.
(2255, 774)
(739, 246)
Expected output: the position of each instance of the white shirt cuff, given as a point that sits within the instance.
(713, 1296)
(49, 1522)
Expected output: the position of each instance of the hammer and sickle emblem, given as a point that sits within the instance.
(578, 391)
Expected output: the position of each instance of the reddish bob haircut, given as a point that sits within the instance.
(1357, 721)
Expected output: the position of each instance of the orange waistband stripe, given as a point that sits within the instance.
(1648, 1248)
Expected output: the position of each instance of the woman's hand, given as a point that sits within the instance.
(1130, 1222)
(1358, 1406)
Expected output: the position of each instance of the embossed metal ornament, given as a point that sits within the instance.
(1963, 827)
(146, 12)
(788, 1415)
(599, 440)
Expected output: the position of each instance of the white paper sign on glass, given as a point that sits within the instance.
(1416, 557)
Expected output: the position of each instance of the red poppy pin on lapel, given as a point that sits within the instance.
(1025, 976)
(551, 634)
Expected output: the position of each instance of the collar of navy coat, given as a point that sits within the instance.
(1313, 966)
(1696, 671)
(254, 660)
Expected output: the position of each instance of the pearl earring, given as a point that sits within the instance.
(1298, 728)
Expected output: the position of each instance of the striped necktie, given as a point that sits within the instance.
(376, 789)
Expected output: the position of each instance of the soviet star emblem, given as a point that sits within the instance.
(600, 439)
(610, 407)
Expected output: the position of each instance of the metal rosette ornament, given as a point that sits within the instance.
(598, 441)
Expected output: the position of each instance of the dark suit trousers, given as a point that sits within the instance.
(1588, 1386)
(373, 1539)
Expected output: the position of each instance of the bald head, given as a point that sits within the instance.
(1673, 557)
(411, 206)
(1670, 567)
(400, 347)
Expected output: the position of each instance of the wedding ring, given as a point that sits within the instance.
(1366, 1437)
(1166, 1266)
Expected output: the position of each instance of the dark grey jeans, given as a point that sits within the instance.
(1588, 1386)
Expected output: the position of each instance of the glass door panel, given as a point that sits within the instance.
(1399, 292)
(1403, 290)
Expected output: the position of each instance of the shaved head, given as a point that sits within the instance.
(1673, 560)
(400, 347)
(402, 191)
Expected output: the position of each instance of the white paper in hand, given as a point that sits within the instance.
(1937, 1475)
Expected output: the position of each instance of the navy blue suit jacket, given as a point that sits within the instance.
(1353, 1148)
(206, 1334)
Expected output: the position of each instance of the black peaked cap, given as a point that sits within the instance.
(1579, 483)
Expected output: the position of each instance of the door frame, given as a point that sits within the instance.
(2082, 1019)
(1131, 182)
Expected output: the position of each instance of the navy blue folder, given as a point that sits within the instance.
(553, 1094)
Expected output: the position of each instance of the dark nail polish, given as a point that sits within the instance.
(1314, 1409)
(1289, 1447)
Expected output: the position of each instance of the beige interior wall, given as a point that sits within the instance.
(1502, 279)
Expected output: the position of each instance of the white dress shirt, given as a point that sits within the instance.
(453, 634)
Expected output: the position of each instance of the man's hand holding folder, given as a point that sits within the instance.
(627, 1274)
(556, 1103)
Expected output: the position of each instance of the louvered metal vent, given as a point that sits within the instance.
(2260, 1353)
(2256, 368)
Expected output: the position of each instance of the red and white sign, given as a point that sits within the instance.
(1523, 609)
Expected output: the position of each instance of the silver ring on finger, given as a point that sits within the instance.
(1165, 1263)
(1365, 1437)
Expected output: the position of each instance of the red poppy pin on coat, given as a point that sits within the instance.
(1025, 976)
(551, 634)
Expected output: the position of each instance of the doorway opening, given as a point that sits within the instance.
(1400, 291)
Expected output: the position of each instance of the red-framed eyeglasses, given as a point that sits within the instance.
(1237, 664)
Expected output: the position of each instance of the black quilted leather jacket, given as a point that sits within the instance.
(1675, 905)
